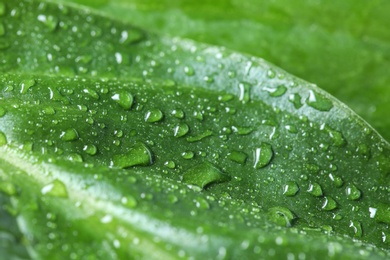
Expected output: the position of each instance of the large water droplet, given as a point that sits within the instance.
(281, 216)
(263, 155)
(90, 149)
(50, 21)
(204, 174)
(199, 137)
(352, 192)
(237, 156)
(315, 189)
(290, 188)
(296, 100)
(26, 84)
(318, 101)
(123, 98)
(181, 130)
(138, 155)
(357, 228)
(328, 203)
(276, 92)
(92, 93)
(337, 181)
(69, 135)
(3, 139)
(153, 115)
(56, 189)
(187, 155)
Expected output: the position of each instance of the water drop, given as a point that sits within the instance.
(123, 98)
(153, 115)
(276, 92)
(75, 157)
(178, 113)
(319, 101)
(315, 189)
(189, 71)
(263, 155)
(92, 93)
(8, 188)
(336, 137)
(204, 174)
(364, 150)
(170, 164)
(26, 84)
(328, 203)
(2, 111)
(337, 181)
(291, 129)
(187, 155)
(69, 135)
(226, 97)
(242, 130)
(237, 156)
(382, 213)
(352, 192)
(90, 149)
(357, 228)
(55, 189)
(202, 203)
(138, 155)
(181, 130)
(199, 137)
(281, 216)
(290, 189)
(172, 198)
(198, 115)
(244, 94)
(129, 201)
(3, 139)
(271, 73)
(50, 21)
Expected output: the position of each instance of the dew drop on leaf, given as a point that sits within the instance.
(281, 216)
(315, 189)
(49, 21)
(153, 115)
(202, 203)
(276, 92)
(244, 92)
(123, 98)
(55, 189)
(290, 189)
(357, 228)
(263, 155)
(181, 130)
(170, 164)
(178, 113)
(352, 192)
(138, 155)
(90, 149)
(237, 156)
(319, 102)
(187, 155)
(204, 174)
(69, 135)
(129, 201)
(3, 139)
(189, 71)
(25, 85)
(337, 181)
(328, 203)
(199, 137)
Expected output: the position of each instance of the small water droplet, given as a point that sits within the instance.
(75, 157)
(69, 135)
(129, 201)
(364, 150)
(315, 189)
(8, 188)
(199, 137)
(276, 92)
(123, 98)
(263, 155)
(319, 101)
(337, 181)
(352, 192)
(170, 164)
(172, 198)
(181, 130)
(26, 84)
(90, 149)
(271, 74)
(328, 203)
(198, 115)
(92, 93)
(357, 228)
(189, 71)
(244, 94)
(187, 155)
(281, 216)
(291, 129)
(226, 97)
(138, 155)
(153, 115)
(290, 189)
(382, 213)
(336, 137)
(55, 189)
(204, 174)
(49, 21)
(238, 157)
(3, 139)
(178, 113)
(202, 203)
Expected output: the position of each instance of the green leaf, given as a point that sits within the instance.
(104, 128)
(342, 46)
